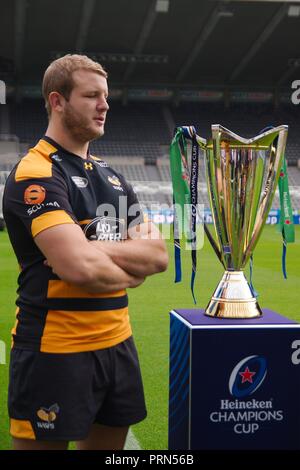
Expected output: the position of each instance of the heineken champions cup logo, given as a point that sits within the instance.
(244, 414)
(247, 376)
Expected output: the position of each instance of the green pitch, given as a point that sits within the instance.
(150, 306)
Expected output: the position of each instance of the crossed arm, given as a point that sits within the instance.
(103, 266)
(142, 254)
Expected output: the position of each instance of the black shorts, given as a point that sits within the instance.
(59, 396)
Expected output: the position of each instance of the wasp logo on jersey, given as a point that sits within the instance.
(47, 416)
(105, 229)
(115, 182)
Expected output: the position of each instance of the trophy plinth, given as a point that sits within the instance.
(233, 298)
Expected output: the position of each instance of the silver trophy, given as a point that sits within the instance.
(242, 176)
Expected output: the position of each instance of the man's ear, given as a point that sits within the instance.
(56, 101)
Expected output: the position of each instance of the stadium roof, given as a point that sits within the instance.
(156, 42)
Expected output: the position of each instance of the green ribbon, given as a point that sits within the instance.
(286, 222)
(180, 178)
(286, 212)
(185, 196)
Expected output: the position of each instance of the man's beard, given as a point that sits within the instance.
(78, 126)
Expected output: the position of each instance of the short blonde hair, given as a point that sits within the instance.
(59, 75)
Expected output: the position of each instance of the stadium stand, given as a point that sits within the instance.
(141, 130)
(132, 131)
(132, 171)
(136, 130)
(148, 150)
(28, 120)
(246, 120)
(137, 137)
(137, 122)
(9, 151)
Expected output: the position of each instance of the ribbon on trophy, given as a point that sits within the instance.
(286, 222)
(286, 214)
(185, 196)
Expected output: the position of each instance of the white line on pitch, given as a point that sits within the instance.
(131, 442)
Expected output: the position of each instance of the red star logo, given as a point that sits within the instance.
(287, 222)
(281, 174)
(247, 375)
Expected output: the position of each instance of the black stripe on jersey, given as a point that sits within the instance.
(75, 304)
(88, 304)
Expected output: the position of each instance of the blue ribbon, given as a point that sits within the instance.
(254, 292)
(283, 258)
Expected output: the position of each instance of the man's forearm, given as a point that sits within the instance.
(109, 278)
(138, 257)
(123, 281)
(80, 263)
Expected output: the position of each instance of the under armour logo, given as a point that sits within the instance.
(88, 166)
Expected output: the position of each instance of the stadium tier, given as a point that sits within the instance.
(141, 129)
(132, 131)
(136, 122)
(246, 120)
(137, 137)
(28, 120)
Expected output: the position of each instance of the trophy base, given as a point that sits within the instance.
(233, 298)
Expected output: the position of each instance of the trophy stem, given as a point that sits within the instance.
(233, 298)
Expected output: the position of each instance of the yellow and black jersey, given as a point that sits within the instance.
(48, 187)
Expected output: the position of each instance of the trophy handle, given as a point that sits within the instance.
(265, 198)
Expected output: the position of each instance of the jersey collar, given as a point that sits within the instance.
(63, 150)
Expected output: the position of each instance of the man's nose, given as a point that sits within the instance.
(103, 105)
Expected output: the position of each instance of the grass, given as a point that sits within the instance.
(150, 306)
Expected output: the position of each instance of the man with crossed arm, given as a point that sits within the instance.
(74, 371)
